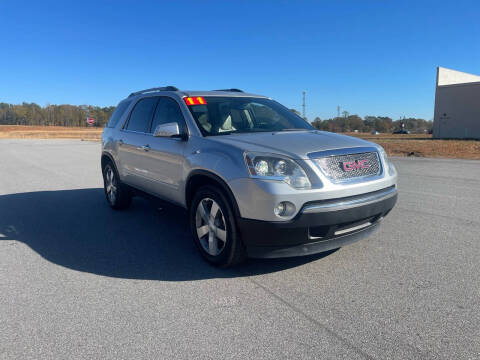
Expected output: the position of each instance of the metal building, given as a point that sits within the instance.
(457, 105)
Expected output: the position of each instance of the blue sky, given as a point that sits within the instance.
(370, 57)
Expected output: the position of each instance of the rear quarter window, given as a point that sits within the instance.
(141, 115)
(118, 113)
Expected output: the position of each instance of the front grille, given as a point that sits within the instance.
(351, 166)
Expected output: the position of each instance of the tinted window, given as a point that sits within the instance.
(167, 111)
(227, 115)
(142, 115)
(118, 113)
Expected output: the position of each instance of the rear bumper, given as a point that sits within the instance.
(319, 226)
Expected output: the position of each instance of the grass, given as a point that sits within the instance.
(396, 145)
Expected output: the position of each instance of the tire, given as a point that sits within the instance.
(215, 235)
(118, 195)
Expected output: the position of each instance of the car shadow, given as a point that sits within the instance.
(76, 229)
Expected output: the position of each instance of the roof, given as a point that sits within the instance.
(172, 89)
(447, 77)
(219, 93)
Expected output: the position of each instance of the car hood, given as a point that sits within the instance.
(295, 144)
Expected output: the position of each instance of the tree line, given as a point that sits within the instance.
(53, 115)
(74, 115)
(382, 124)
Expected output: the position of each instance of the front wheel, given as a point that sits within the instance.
(213, 228)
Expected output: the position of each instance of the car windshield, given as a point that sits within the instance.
(232, 115)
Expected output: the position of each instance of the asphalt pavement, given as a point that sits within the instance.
(80, 281)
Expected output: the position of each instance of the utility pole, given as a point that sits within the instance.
(338, 110)
(303, 104)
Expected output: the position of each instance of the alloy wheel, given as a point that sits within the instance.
(211, 226)
(110, 185)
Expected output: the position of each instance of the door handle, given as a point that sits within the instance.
(146, 147)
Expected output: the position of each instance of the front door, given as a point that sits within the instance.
(165, 156)
(134, 144)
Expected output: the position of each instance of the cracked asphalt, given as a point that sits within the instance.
(80, 281)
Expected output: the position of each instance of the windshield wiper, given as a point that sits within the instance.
(293, 129)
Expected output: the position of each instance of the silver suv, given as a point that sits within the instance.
(257, 180)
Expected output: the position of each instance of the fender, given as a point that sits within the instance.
(218, 180)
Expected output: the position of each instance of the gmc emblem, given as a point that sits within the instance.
(355, 165)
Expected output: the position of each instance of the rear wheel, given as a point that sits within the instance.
(117, 194)
(213, 228)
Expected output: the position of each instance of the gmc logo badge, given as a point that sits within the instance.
(355, 165)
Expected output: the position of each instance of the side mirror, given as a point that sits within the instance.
(168, 130)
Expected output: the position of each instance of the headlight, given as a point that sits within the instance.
(390, 167)
(382, 152)
(277, 168)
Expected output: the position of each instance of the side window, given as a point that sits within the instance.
(142, 115)
(167, 111)
(118, 113)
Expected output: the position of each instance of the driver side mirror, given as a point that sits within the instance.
(170, 130)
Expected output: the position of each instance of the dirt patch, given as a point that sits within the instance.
(49, 132)
(422, 145)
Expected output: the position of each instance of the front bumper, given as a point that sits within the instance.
(319, 226)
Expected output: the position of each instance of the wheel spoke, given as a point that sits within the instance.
(221, 234)
(113, 196)
(203, 213)
(202, 231)
(212, 244)
(214, 210)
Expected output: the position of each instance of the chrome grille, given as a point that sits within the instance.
(349, 166)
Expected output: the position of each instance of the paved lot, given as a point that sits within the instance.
(79, 281)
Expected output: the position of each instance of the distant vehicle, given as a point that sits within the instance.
(401, 131)
(257, 179)
(374, 132)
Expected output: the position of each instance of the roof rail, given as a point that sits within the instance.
(232, 90)
(164, 88)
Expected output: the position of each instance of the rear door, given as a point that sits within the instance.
(165, 157)
(134, 144)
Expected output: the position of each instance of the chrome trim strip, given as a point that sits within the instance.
(348, 204)
(358, 227)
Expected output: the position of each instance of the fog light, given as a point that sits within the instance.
(279, 210)
(284, 209)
